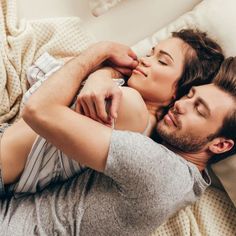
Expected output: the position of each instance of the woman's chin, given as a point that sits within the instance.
(131, 81)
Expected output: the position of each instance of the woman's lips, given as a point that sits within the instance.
(138, 70)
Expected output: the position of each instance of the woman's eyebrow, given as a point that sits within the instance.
(167, 54)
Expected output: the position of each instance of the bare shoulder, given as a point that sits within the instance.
(133, 113)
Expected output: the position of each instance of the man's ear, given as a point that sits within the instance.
(220, 145)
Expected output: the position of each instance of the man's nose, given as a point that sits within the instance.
(179, 107)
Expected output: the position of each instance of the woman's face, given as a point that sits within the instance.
(157, 74)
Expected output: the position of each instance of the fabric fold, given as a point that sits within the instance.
(22, 42)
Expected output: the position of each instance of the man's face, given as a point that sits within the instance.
(194, 119)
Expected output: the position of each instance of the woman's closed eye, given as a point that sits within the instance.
(162, 62)
(162, 59)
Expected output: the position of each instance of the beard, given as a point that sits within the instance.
(184, 142)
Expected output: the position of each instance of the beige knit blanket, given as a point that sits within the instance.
(212, 215)
(21, 42)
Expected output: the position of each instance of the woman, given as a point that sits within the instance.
(174, 65)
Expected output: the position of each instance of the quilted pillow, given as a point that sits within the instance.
(216, 17)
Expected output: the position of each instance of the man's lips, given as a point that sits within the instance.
(138, 70)
(170, 119)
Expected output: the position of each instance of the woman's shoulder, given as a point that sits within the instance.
(133, 114)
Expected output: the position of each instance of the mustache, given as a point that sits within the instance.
(174, 115)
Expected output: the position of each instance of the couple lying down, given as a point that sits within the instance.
(135, 181)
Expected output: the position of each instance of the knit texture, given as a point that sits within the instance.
(22, 42)
(213, 215)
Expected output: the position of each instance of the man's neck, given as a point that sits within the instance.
(199, 159)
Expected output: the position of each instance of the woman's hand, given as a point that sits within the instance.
(100, 97)
(99, 90)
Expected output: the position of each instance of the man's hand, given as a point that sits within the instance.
(119, 55)
(122, 56)
(98, 92)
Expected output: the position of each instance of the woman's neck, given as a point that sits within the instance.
(155, 109)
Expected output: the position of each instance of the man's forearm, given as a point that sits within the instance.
(47, 111)
(73, 72)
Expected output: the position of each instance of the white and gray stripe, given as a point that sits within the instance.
(45, 165)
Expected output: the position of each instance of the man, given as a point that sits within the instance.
(133, 184)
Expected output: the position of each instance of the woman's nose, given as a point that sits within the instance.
(145, 61)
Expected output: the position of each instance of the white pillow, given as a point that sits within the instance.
(216, 17)
(225, 171)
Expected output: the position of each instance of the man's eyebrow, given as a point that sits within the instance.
(202, 101)
(166, 53)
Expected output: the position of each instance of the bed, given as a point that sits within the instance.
(25, 40)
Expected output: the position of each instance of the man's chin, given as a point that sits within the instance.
(163, 126)
(165, 131)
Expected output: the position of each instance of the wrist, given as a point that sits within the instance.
(103, 49)
(91, 58)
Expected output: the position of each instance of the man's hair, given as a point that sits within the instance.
(202, 61)
(226, 81)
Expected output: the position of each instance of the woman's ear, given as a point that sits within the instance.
(221, 145)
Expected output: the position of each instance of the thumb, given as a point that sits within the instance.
(123, 70)
(128, 61)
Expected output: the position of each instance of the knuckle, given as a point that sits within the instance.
(101, 115)
(86, 96)
(118, 91)
(93, 95)
(78, 99)
(100, 99)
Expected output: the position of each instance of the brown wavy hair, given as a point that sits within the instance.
(202, 61)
